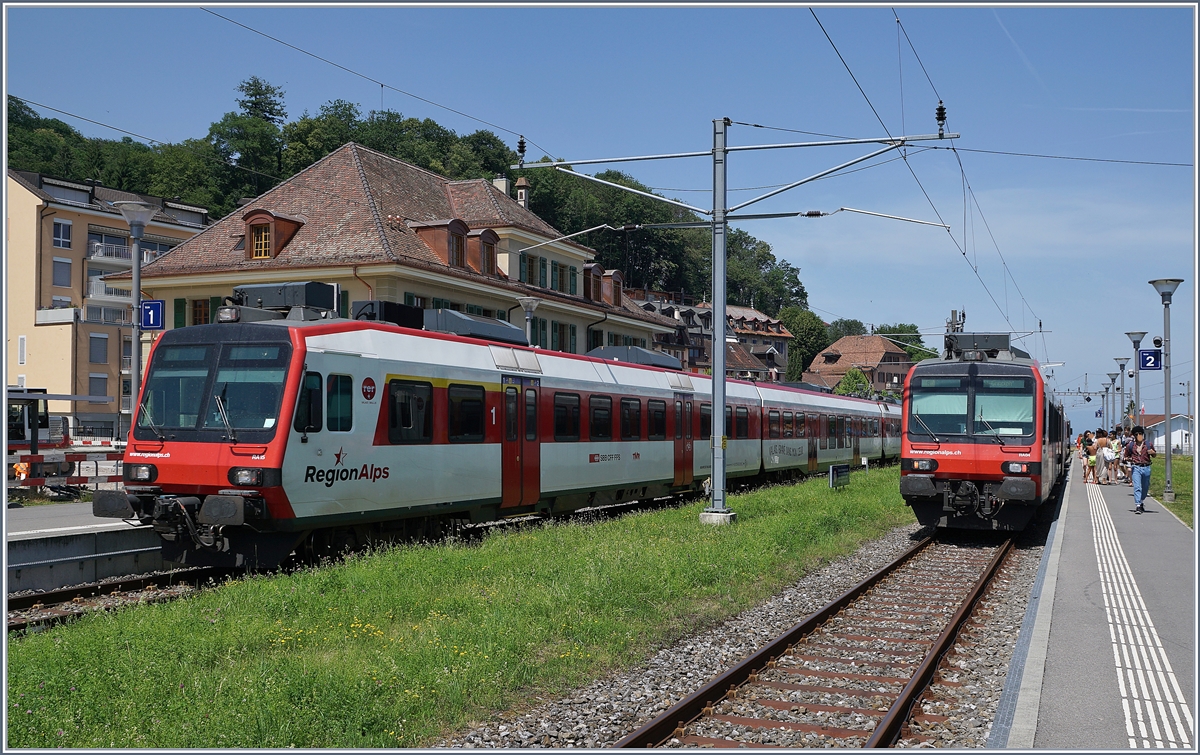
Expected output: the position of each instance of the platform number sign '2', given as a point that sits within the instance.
(1150, 359)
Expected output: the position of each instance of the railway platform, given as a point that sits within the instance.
(1111, 655)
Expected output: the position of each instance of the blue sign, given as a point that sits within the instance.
(1150, 359)
(152, 314)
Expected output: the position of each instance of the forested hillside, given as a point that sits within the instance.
(249, 150)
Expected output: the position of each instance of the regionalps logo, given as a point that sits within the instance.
(368, 472)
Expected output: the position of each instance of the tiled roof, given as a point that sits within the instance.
(858, 350)
(738, 357)
(104, 195)
(346, 199)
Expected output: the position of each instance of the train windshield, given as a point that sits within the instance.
(204, 391)
(939, 405)
(977, 405)
(1003, 406)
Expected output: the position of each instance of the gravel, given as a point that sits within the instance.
(608, 709)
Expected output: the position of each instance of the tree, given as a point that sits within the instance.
(262, 101)
(843, 327)
(809, 338)
(909, 337)
(853, 383)
(755, 278)
(192, 171)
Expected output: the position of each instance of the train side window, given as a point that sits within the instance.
(727, 430)
(742, 422)
(511, 418)
(828, 428)
(465, 410)
(340, 414)
(631, 419)
(656, 416)
(566, 416)
(773, 430)
(678, 419)
(308, 404)
(687, 429)
(841, 432)
(410, 412)
(531, 428)
(787, 424)
(705, 421)
(600, 418)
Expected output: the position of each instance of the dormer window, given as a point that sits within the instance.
(261, 235)
(487, 258)
(458, 250)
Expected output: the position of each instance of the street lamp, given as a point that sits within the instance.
(1112, 379)
(137, 215)
(1166, 287)
(1136, 336)
(1121, 361)
(529, 303)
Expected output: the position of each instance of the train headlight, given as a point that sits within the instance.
(1016, 467)
(919, 465)
(240, 476)
(140, 473)
(228, 314)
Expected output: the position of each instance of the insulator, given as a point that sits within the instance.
(521, 147)
(941, 114)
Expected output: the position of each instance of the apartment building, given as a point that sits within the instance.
(68, 322)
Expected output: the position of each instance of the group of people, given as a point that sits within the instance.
(1112, 458)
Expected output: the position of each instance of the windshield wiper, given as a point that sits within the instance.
(224, 416)
(995, 435)
(150, 421)
(917, 417)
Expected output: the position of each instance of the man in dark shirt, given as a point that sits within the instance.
(1140, 453)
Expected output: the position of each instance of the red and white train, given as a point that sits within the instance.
(257, 438)
(985, 440)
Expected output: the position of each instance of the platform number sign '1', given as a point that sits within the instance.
(152, 314)
(1150, 359)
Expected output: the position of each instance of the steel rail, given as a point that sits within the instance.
(53, 597)
(692, 707)
(888, 730)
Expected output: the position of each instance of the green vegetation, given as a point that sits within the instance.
(1181, 483)
(400, 646)
(853, 383)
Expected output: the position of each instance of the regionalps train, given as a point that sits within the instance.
(985, 441)
(265, 433)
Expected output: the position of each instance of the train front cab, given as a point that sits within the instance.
(972, 444)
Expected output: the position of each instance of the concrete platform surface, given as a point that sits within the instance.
(55, 519)
(1120, 659)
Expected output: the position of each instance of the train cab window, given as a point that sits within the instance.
(678, 419)
(1003, 406)
(687, 429)
(773, 428)
(340, 414)
(600, 418)
(742, 422)
(787, 424)
(566, 416)
(656, 416)
(531, 428)
(410, 412)
(631, 419)
(465, 410)
(705, 421)
(308, 404)
(511, 417)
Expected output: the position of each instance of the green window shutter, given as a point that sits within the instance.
(542, 333)
(409, 299)
(214, 303)
(571, 279)
(180, 313)
(554, 335)
(344, 305)
(542, 272)
(524, 268)
(554, 275)
(501, 315)
(572, 349)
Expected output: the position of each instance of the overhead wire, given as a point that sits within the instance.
(374, 80)
(1068, 157)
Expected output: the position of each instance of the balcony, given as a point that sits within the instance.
(126, 364)
(56, 316)
(126, 404)
(118, 253)
(98, 289)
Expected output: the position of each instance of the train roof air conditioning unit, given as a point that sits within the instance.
(474, 326)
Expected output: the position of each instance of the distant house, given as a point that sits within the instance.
(1182, 432)
(884, 363)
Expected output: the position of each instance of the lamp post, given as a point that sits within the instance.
(1121, 361)
(1166, 288)
(1112, 380)
(1136, 336)
(529, 303)
(137, 215)
(1104, 405)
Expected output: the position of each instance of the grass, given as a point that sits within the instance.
(398, 647)
(1181, 483)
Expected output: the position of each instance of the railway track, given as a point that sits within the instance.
(849, 675)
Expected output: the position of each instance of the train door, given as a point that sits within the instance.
(856, 433)
(521, 475)
(813, 431)
(684, 472)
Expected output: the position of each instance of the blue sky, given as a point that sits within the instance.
(1080, 238)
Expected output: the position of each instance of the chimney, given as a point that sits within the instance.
(502, 183)
(523, 192)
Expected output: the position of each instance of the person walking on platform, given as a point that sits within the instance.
(1101, 454)
(1140, 453)
(1088, 457)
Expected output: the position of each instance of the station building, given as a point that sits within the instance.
(381, 228)
(68, 323)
